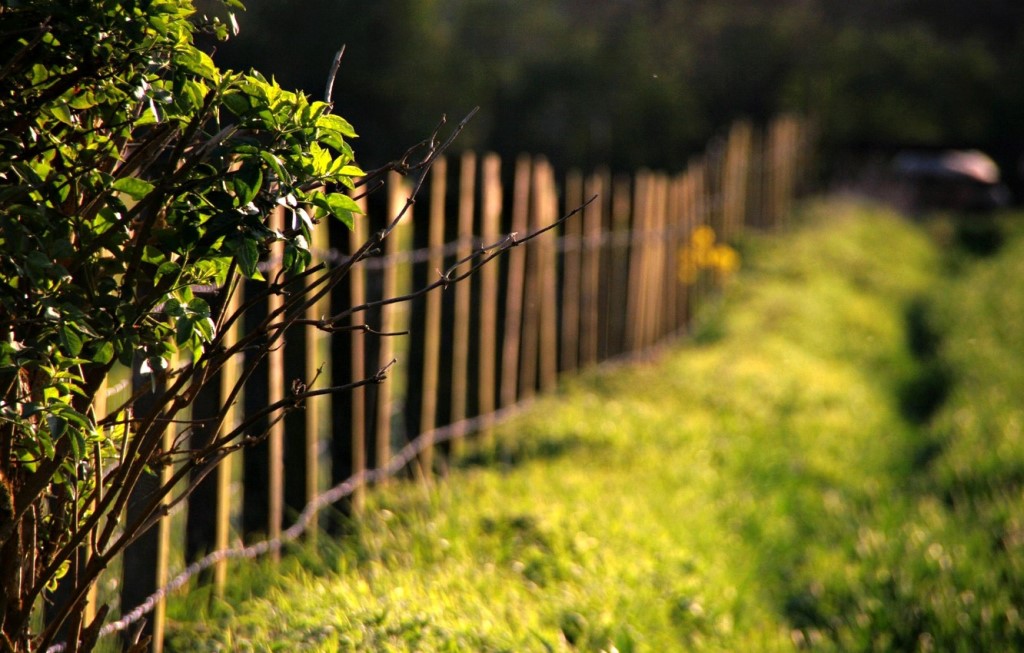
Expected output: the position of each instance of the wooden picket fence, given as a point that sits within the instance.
(623, 276)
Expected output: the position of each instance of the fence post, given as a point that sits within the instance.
(678, 226)
(706, 195)
(318, 368)
(460, 328)
(572, 250)
(546, 213)
(491, 218)
(655, 295)
(390, 317)
(771, 153)
(531, 292)
(99, 410)
(619, 254)
(357, 294)
(735, 182)
(164, 530)
(771, 159)
(605, 265)
(637, 261)
(432, 318)
(668, 266)
(591, 262)
(229, 377)
(784, 140)
(139, 560)
(275, 394)
(514, 285)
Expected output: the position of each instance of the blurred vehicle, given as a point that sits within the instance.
(958, 180)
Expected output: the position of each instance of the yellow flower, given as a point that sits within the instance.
(726, 259)
(703, 237)
(688, 268)
(701, 253)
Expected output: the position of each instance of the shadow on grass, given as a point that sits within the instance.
(512, 452)
(926, 390)
(979, 235)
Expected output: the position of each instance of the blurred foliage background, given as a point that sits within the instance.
(647, 82)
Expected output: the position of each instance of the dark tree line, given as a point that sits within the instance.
(647, 82)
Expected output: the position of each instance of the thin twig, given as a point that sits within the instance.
(329, 90)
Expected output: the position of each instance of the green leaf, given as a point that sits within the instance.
(296, 255)
(336, 123)
(167, 268)
(307, 222)
(45, 442)
(57, 426)
(196, 61)
(133, 187)
(71, 340)
(153, 255)
(237, 103)
(183, 327)
(276, 164)
(83, 100)
(173, 307)
(248, 257)
(342, 207)
(247, 182)
(62, 571)
(68, 413)
(199, 306)
(206, 328)
(39, 74)
(103, 354)
(77, 440)
(62, 113)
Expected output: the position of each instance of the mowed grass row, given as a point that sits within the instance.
(940, 566)
(832, 462)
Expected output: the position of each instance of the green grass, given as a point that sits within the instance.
(784, 480)
(941, 567)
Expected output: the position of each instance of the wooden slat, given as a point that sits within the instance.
(490, 228)
(619, 253)
(514, 294)
(570, 353)
(546, 214)
(637, 261)
(460, 325)
(432, 311)
(605, 266)
(357, 293)
(99, 408)
(391, 320)
(318, 366)
(230, 373)
(528, 355)
(591, 262)
(275, 394)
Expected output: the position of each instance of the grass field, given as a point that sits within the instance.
(833, 461)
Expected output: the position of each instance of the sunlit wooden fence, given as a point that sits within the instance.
(624, 275)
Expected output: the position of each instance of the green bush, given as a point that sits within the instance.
(132, 171)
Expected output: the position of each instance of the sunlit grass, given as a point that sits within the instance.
(759, 491)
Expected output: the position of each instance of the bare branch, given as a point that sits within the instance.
(481, 256)
(329, 90)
